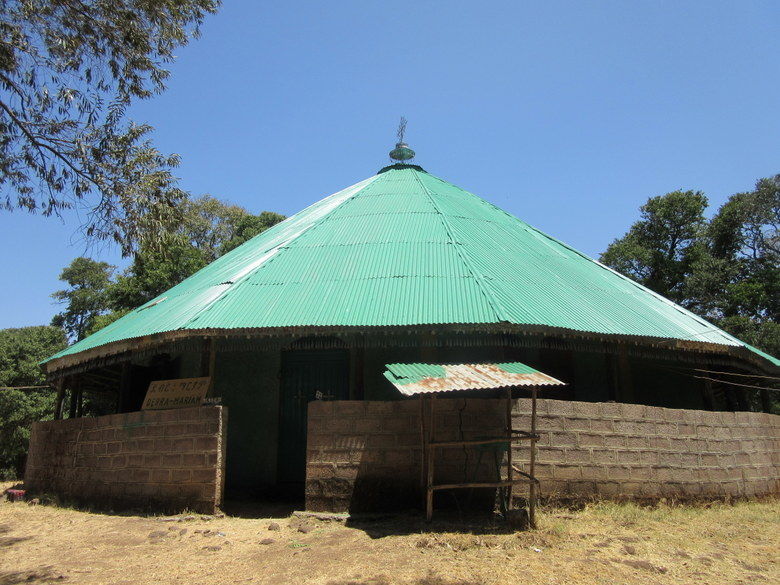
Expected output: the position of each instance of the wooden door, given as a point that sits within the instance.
(306, 375)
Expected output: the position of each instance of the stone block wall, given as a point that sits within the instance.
(367, 455)
(166, 460)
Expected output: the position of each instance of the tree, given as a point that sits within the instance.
(727, 269)
(248, 226)
(746, 233)
(744, 240)
(69, 70)
(154, 271)
(21, 351)
(660, 249)
(207, 222)
(208, 229)
(86, 296)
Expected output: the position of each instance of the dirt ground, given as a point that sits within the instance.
(602, 543)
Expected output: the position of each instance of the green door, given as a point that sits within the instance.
(306, 375)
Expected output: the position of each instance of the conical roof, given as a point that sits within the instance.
(406, 248)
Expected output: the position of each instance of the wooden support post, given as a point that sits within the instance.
(80, 404)
(766, 402)
(123, 397)
(709, 396)
(60, 383)
(423, 443)
(509, 435)
(212, 366)
(531, 464)
(74, 397)
(431, 457)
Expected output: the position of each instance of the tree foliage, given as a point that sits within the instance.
(661, 248)
(21, 351)
(19, 409)
(154, 271)
(86, 296)
(247, 227)
(726, 269)
(69, 69)
(208, 229)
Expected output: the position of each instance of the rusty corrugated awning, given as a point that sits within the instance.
(413, 379)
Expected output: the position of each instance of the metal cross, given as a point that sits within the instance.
(401, 129)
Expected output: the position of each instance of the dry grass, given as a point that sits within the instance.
(603, 543)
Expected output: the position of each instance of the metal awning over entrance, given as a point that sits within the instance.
(413, 379)
(428, 380)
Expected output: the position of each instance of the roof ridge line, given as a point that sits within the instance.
(478, 278)
(274, 252)
(701, 320)
(677, 307)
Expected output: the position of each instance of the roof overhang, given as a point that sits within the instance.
(429, 335)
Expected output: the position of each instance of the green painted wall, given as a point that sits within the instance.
(189, 364)
(657, 384)
(591, 375)
(248, 382)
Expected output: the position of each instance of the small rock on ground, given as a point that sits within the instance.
(274, 526)
(646, 565)
(158, 534)
(267, 541)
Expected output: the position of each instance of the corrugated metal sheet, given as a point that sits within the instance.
(406, 248)
(413, 379)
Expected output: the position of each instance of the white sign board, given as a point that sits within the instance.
(180, 393)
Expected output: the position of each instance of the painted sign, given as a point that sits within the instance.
(179, 393)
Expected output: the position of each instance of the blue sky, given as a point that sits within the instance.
(567, 114)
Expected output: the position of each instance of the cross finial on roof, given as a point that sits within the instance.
(401, 129)
(402, 152)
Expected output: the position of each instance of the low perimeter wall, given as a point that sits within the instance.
(158, 459)
(367, 455)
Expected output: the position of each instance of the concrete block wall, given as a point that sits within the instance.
(612, 450)
(166, 460)
(367, 455)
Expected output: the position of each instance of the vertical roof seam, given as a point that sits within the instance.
(478, 278)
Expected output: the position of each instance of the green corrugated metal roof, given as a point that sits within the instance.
(406, 248)
(416, 378)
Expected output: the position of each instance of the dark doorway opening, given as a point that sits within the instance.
(306, 375)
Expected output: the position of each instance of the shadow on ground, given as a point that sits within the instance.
(7, 541)
(42, 575)
(430, 579)
(258, 509)
(380, 526)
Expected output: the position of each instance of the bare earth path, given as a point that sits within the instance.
(604, 543)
